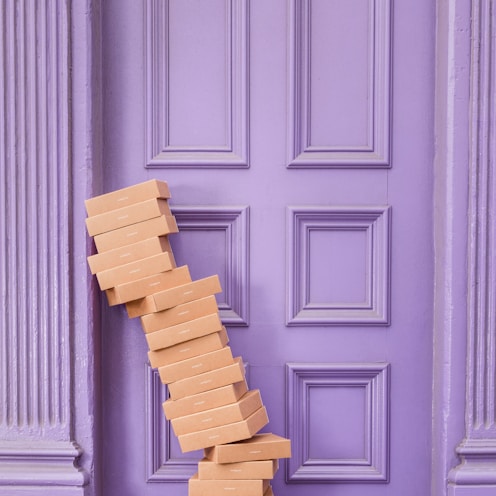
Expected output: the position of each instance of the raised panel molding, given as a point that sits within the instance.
(477, 450)
(234, 221)
(373, 378)
(375, 223)
(36, 448)
(376, 152)
(234, 153)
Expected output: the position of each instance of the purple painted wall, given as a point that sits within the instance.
(73, 128)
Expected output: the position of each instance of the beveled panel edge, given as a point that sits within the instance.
(375, 377)
(160, 466)
(158, 155)
(235, 221)
(378, 154)
(377, 220)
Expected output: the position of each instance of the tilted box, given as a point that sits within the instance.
(260, 469)
(121, 217)
(227, 414)
(159, 226)
(266, 446)
(188, 349)
(127, 196)
(204, 401)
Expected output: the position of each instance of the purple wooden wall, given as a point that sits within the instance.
(50, 160)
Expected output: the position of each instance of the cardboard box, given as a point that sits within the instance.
(261, 469)
(130, 253)
(183, 332)
(127, 196)
(180, 313)
(135, 270)
(227, 414)
(121, 217)
(174, 296)
(266, 446)
(159, 226)
(196, 365)
(123, 293)
(188, 349)
(198, 487)
(227, 433)
(208, 380)
(204, 401)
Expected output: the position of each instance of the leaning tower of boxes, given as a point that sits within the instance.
(210, 405)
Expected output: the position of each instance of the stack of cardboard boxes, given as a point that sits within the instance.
(210, 405)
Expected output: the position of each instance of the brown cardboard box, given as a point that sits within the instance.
(135, 270)
(127, 196)
(208, 380)
(159, 226)
(184, 332)
(266, 446)
(123, 293)
(121, 217)
(268, 492)
(130, 253)
(196, 365)
(188, 349)
(174, 296)
(204, 401)
(227, 414)
(261, 469)
(198, 487)
(178, 314)
(227, 433)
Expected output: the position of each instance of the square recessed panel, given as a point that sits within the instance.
(338, 422)
(338, 265)
(215, 240)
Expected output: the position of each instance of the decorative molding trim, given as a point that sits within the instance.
(235, 222)
(478, 450)
(377, 152)
(35, 164)
(374, 378)
(160, 465)
(43, 464)
(376, 222)
(159, 153)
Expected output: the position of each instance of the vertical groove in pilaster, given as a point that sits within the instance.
(34, 219)
(482, 295)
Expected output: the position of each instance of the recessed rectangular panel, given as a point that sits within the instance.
(338, 266)
(339, 77)
(337, 423)
(197, 76)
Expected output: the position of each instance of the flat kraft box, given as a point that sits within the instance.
(124, 293)
(227, 414)
(135, 270)
(159, 226)
(198, 487)
(266, 446)
(126, 216)
(225, 434)
(204, 401)
(127, 196)
(261, 469)
(183, 332)
(179, 314)
(175, 296)
(196, 365)
(130, 253)
(188, 349)
(208, 380)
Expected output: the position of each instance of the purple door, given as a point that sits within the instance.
(297, 141)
